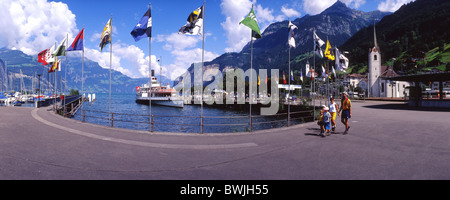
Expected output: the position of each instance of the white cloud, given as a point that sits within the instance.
(235, 11)
(185, 52)
(314, 7)
(34, 25)
(131, 56)
(178, 41)
(289, 12)
(354, 3)
(392, 5)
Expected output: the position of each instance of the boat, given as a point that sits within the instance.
(160, 95)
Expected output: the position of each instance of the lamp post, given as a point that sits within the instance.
(39, 89)
(391, 75)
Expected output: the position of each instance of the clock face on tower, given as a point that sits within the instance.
(374, 49)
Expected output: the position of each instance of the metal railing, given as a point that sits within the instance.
(244, 121)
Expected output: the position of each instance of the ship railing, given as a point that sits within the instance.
(248, 122)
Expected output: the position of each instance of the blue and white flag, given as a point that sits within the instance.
(144, 27)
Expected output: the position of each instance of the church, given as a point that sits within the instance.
(379, 86)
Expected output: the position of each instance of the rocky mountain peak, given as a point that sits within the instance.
(337, 8)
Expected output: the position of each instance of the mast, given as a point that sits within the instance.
(110, 69)
(150, 73)
(203, 62)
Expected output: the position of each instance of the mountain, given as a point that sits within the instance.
(337, 23)
(417, 35)
(96, 77)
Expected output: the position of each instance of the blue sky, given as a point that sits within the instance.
(48, 22)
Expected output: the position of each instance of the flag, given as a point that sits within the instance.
(55, 66)
(307, 69)
(144, 27)
(291, 39)
(328, 52)
(258, 80)
(61, 49)
(78, 44)
(292, 76)
(106, 35)
(324, 73)
(284, 79)
(251, 22)
(341, 61)
(42, 57)
(344, 62)
(45, 57)
(337, 61)
(301, 75)
(194, 25)
(318, 43)
(334, 72)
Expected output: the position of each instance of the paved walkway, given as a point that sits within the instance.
(386, 141)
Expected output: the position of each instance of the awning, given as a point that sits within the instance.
(431, 77)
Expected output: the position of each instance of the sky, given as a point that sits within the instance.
(34, 25)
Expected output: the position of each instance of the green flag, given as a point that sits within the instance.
(251, 22)
(61, 50)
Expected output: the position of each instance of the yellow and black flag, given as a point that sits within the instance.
(194, 25)
(106, 35)
(328, 53)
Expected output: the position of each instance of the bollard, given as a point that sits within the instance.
(112, 120)
(84, 116)
(202, 124)
(153, 124)
(251, 123)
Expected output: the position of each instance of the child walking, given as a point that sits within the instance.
(320, 123)
(326, 121)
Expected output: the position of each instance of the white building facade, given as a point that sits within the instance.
(378, 85)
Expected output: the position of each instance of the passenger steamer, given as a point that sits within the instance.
(160, 95)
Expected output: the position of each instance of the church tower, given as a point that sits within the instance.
(374, 67)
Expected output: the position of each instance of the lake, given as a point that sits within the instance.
(130, 115)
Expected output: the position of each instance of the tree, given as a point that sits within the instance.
(74, 92)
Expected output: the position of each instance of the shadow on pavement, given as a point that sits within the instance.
(406, 107)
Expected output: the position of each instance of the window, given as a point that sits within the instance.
(374, 57)
(382, 87)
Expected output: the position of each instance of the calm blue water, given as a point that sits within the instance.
(130, 115)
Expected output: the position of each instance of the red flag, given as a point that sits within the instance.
(284, 79)
(42, 57)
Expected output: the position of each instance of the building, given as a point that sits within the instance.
(379, 85)
(357, 80)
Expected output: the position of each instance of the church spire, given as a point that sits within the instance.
(374, 33)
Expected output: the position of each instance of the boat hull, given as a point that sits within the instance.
(161, 101)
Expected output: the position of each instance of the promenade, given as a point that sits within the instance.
(387, 140)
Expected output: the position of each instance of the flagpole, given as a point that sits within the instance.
(203, 63)
(55, 79)
(110, 69)
(150, 75)
(289, 102)
(251, 78)
(82, 73)
(65, 76)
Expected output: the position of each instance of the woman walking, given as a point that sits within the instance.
(334, 108)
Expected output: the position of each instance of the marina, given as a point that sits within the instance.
(262, 90)
(217, 119)
(43, 145)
